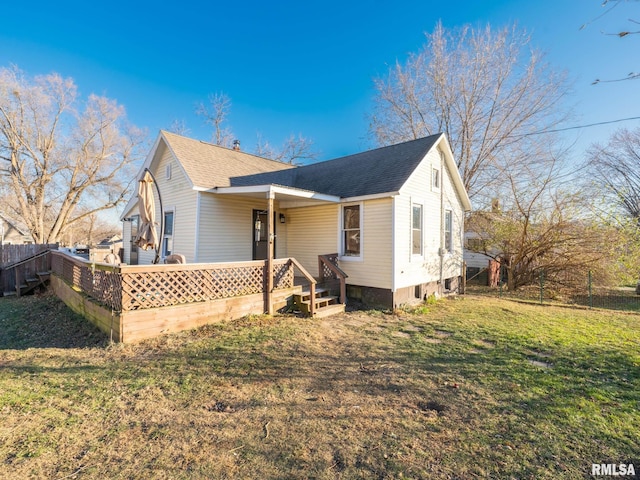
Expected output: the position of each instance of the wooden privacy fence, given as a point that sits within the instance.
(15, 253)
(135, 287)
(28, 272)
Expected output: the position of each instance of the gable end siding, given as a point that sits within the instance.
(411, 269)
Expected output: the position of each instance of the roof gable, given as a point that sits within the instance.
(208, 166)
(382, 170)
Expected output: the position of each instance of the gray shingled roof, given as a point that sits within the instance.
(382, 170)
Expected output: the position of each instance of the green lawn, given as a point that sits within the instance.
(466, 388)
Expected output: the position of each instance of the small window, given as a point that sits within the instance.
(168, 171)
(435, 178)
(351, 233)
(416, 229)
(167, 240)
(448, 230)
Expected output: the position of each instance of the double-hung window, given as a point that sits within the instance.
(448, 230)
(167, 239)
(351, 231)
(416, 229)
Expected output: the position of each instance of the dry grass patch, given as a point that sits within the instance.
(358, 395)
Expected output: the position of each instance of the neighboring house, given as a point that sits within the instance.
(111, 244)
(10, 234)
(478, 264)
(394, 215)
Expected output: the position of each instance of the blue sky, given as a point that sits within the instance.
(301, 67)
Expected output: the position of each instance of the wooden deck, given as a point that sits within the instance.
(133, 302)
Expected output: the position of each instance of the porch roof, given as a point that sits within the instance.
(289, 197)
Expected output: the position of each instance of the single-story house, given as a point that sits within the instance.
(394, 215)
(11, 234)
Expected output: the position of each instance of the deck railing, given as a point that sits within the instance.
(330, 272)
(135, 287)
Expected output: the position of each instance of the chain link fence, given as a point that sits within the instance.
(584, 292)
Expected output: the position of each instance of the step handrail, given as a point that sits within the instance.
(25, 260)
(312, 284)
(14, 266)
(326, 260)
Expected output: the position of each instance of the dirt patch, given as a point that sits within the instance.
(432, 340)
(401, 334)
(442, 334)
(484, 343)
(539, 363)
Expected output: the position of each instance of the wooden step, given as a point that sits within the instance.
(320, 292)
(322, 301)
(12, 293)
(329, 310)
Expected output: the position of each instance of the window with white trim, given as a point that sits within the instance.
(167, 239)
(448, 230)
(416, 229)
(435, 178)
(351, 231)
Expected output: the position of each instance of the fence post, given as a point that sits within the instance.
(590, 291)
(541, 286)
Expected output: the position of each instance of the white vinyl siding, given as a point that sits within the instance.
(410, 269)
(226, 232)
(375, 267)
(312, 231)
(177, 195)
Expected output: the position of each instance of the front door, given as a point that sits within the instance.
(260, 234)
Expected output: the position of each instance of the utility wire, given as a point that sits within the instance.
(577, 127)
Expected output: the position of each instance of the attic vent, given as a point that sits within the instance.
(236, 145)
(168, 171)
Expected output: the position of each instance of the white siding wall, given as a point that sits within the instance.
(227, 228)
(177, 196)
(417, 269)
(312, 231)
(374, 269)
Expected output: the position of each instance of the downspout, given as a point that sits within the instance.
(196, 247)
(393, 250)
(441, 282)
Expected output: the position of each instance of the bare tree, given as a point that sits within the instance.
(541, 230)
(215, 113)
(61, 159)
(610, 5)
(179, 127)
(488, 91)
(614, 170)
(91, 230)
(295, 150)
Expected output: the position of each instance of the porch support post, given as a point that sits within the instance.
(270, 252)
